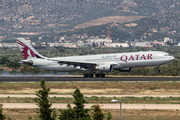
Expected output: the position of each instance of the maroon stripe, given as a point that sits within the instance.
(19, 42)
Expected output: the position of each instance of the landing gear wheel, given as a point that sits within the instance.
(91, 75)
(102, 75)
(97, 75)
(157, 70)
(85, 75)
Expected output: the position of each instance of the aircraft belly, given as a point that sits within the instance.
(144, 63)
(162, 61)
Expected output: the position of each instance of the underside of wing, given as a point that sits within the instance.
(81, 64)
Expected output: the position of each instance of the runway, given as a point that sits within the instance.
(56, 79)
(103, 106)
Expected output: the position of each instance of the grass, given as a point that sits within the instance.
(92, 85)
(126, 100)
(24, 114)
(105, 20)
(112, 87)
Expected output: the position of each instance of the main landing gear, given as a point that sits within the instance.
(92, 75)
(88, 75)
(158, 69)
(100, 75)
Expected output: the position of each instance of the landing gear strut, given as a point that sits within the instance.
(158, 69)
(89, 74)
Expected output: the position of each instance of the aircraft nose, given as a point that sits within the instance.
(172, 58)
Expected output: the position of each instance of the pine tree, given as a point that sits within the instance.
(109, 116)
(67, 114)
(80, 112)
(97, 114)
(2, 116)
(45, 112)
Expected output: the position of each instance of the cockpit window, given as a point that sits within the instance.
(166, 55)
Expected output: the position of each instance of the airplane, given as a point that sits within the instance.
(122, 62)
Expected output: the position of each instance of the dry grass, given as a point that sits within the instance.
(138, 88)
(102, 100)
(115, 88)
(23, 114)
(109, 19)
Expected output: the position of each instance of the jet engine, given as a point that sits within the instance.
(125, 70)
(104, 68)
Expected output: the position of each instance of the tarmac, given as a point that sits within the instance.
(56, 79)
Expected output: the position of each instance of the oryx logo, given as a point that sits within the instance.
(25, 50)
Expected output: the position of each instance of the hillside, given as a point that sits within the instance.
(109, 19)
(155, 27)
(50, 15)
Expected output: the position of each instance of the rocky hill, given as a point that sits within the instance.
(50, 15)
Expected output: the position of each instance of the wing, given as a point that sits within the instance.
(81, 64)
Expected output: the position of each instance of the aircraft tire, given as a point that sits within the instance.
(157, 71)
(85, 75)
(102, 75)
(91, 75)
(97, 75)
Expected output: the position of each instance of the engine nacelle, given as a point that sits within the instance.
(104, 68)
(125, 70)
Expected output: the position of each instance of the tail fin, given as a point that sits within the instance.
(27, 50)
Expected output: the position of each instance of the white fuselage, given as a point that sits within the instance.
(118, 60)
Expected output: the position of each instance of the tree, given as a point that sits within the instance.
(67, 114)
(93, 44)
(45, 112)
(78, 112)
(97, 114)
(2, 116)
(109, 116)
(4, 60)
(14, 65)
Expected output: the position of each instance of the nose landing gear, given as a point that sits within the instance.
(158, 69)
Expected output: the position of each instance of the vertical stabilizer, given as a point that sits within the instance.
(27, 50)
